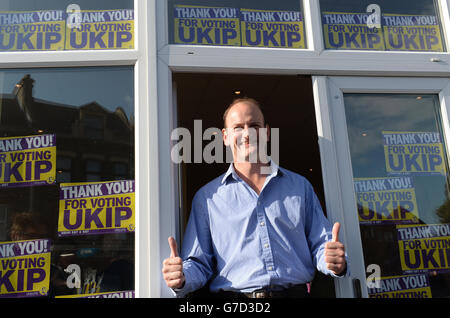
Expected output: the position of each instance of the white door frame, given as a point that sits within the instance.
(336, 160)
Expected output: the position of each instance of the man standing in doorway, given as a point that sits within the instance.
(256, 231)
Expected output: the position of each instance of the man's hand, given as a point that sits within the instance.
(335, 252)
(173, 267)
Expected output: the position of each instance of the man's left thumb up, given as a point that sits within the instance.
(335, 232)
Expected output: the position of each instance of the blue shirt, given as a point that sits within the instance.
(243, 241)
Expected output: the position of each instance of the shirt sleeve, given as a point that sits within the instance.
(197, 252)
(318, 232)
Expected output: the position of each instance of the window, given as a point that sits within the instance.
(62, 25)
(120, 170)
(248, 23)
(93, 170)
(63, 169)
(401, 185)
(70, 226)
(382, 25)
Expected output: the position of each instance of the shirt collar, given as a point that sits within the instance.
(275, 170)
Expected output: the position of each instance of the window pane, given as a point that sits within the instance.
(401, 184)
(83, 221)
(53, 25)
(387, 26)
(247, 23)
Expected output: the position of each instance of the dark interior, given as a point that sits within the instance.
(287, 103)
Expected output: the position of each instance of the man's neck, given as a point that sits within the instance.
(252, 174)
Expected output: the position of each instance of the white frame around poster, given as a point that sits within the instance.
(335, 153)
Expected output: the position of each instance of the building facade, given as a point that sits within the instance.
(95, 97)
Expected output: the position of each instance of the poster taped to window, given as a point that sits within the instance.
(96, 208)
(412, 33)
(54, 30)
(25, 268)
(274, 29)
(238, 27)
(29, 31)
(27, 161)
(424, 248)
(411, 286)
(99, 30)
(207, 26)
(414, 153)
(351, 31)
(386, 200)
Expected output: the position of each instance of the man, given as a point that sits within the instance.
(252, 234)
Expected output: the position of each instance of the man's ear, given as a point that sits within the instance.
(225, 136)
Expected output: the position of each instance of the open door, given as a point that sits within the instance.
(390, 138)
(288, 104)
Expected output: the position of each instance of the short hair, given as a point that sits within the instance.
(247, 100)
(23, 220)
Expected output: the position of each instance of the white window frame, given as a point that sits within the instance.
(314, 60)
(147, 171)
(335, 152)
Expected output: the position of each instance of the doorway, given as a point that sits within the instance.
(287, 103)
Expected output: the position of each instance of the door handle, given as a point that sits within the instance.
(357, 288)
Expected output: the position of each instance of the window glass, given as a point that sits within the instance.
(53, 25)
(383, 25)
(246, 23)
(400, 170)
(66, 221)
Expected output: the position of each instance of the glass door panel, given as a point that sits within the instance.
(401, 186)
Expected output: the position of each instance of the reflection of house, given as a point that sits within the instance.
(93, 144)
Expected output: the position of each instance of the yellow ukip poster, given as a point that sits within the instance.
(101, 29)
(27, 161)
(274, 29)
(414, 153)
(386, 200)
(207, 26)
(412, 33)
(424, 248)
(32, 30)
(350, 31)
(51, 30)
(396, 32)
(96, 208)
(409, 286)
(25, 268)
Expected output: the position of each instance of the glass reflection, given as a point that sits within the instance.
(402, 190)
(91, 113)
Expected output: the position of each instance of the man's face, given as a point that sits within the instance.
(243, 124)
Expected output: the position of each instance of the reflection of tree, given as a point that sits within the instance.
(380, 239)
(443, 212)
(440, 283)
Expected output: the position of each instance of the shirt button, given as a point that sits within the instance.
(262, 223)
(270, 268)
(266, 245)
